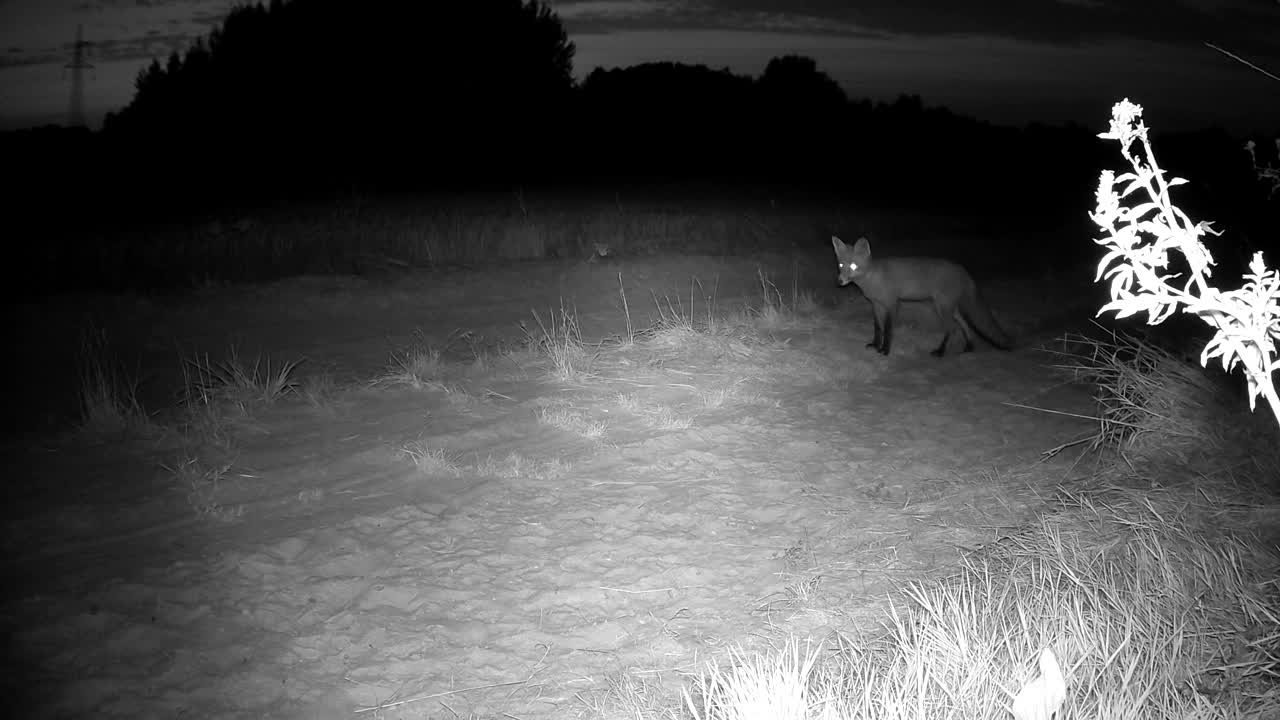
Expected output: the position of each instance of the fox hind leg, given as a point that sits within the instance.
(952, 320)
(966, 330)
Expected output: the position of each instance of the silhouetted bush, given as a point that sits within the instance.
(318, 93)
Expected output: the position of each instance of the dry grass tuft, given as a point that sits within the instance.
(216, 395)
(431, 462)
(417, 366)
(203, 481)
(677, 313)
(559, 339)
(577, 422)
(515, 465)
(1154, 403)
(633, 693)
(776, 311)
(320, 390)
(234, 382)
(652, 414)
(109, 406)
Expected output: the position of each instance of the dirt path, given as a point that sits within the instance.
(578, 544)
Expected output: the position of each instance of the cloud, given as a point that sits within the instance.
(38, 32)
(18, 57)
(1253, 26)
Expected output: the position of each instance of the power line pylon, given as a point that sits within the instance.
(77, 66)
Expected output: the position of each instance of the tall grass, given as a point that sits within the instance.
(360, 237)
(1155, 402)
(109, 406)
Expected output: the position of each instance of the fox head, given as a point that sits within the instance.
(852, 261)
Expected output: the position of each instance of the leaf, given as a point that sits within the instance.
(1213, 349)
(1133, 186)
(1126, 310)
(1105, 262)
(1142, 209)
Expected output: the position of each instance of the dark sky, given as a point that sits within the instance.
(1010, 61)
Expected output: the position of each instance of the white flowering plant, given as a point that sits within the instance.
(1141, 226)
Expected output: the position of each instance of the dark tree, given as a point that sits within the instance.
(382, 91)
(796, 81)
(667, 120)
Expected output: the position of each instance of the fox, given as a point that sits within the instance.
(887, 281)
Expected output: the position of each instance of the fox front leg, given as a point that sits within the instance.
(884, 329)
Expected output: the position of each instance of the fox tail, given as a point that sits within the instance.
(983, 322)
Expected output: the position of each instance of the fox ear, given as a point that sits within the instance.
(837, 243)
(862, 247)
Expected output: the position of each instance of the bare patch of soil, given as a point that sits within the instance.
(503, 538)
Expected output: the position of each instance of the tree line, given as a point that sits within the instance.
(306, 96)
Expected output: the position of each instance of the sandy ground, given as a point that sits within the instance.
(574, 546)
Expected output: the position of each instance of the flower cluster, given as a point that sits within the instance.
(1139, 233)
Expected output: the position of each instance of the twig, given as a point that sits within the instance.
(630, 483)
(1054, 451)
(1052, 412)
(419, 698)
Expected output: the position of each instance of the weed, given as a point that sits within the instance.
(202, 482)
(109, 405)
(417, 366)
(560, 340)
(572, 421)
(319, 389)
(429, 461)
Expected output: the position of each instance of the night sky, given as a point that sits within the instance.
(1007, 61)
